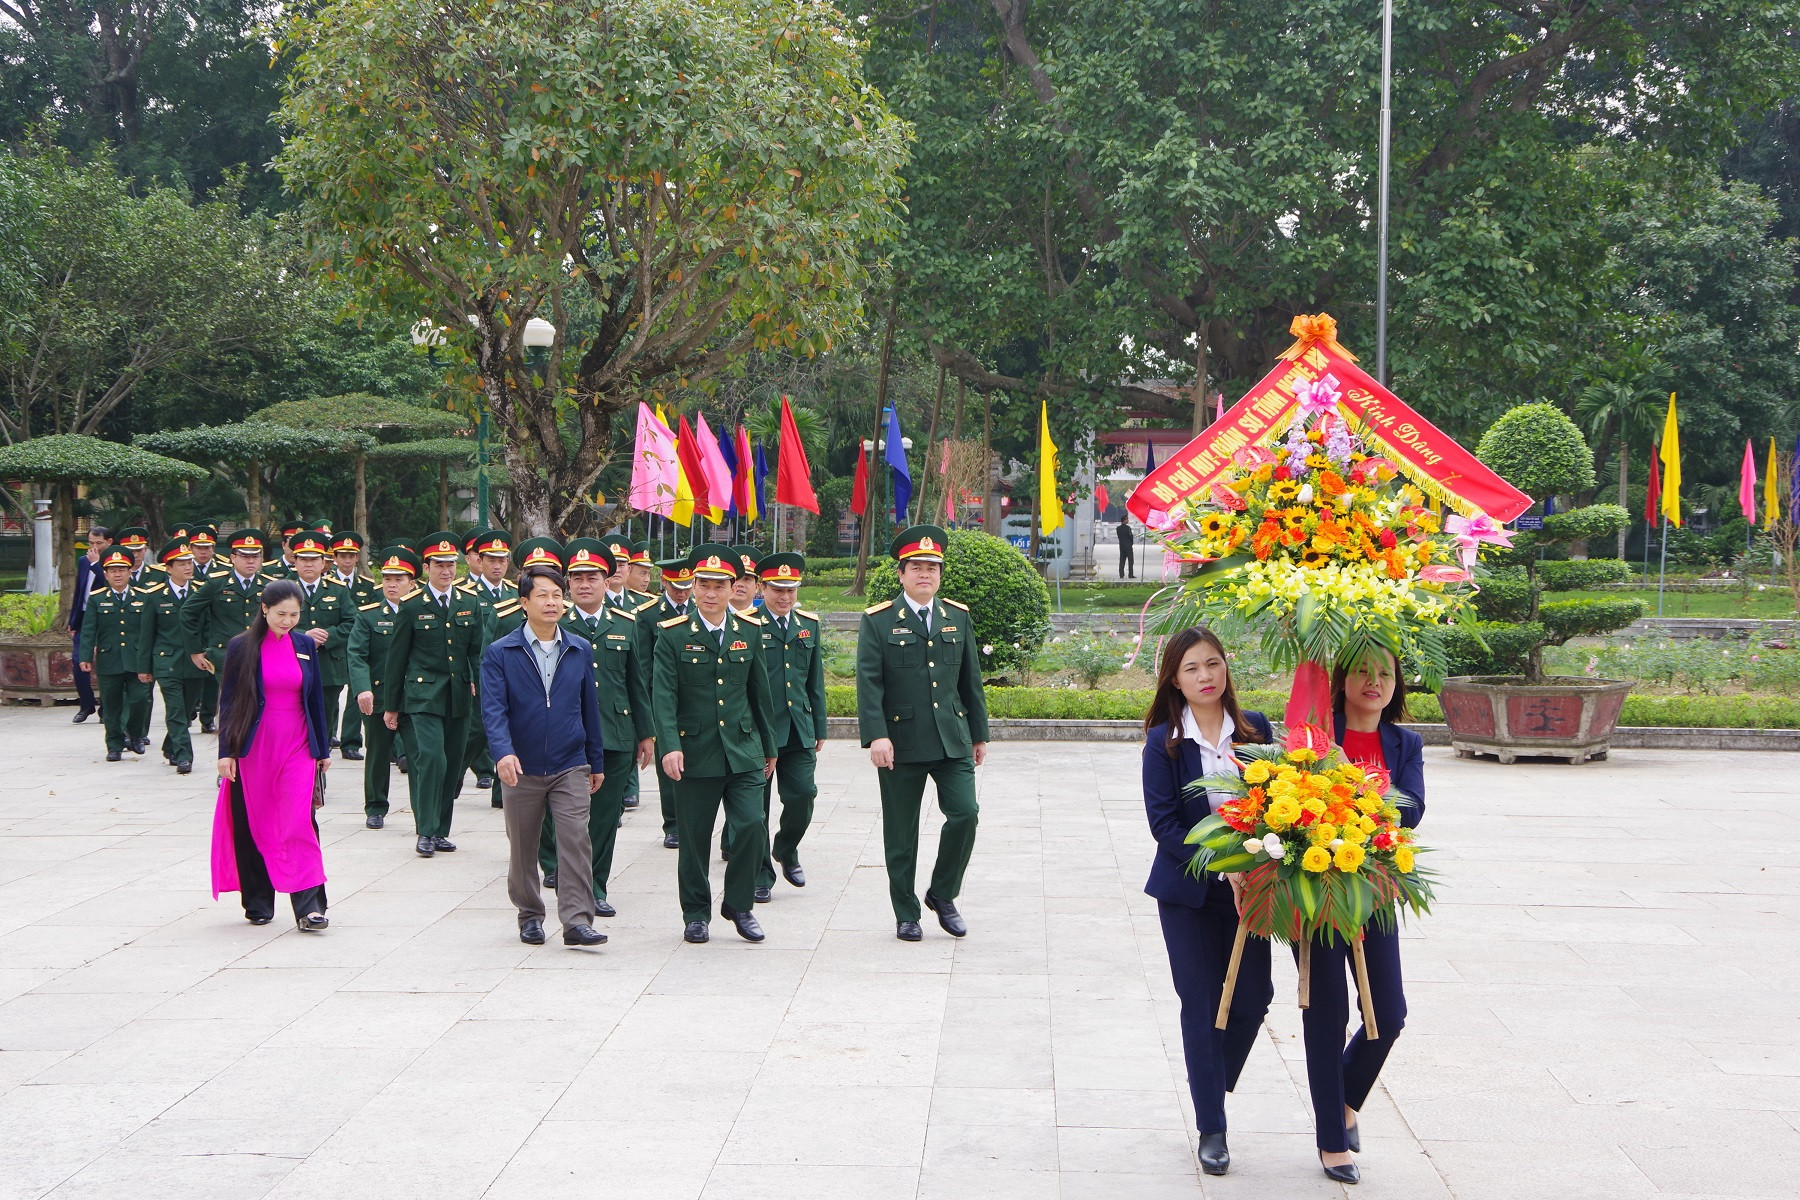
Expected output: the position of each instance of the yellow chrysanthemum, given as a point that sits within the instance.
(1349, 857)
(1403, 859)
(1322, 833)
(1257, 772)
(1316, 859)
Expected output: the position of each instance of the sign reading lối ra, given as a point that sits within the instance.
(1425, 454)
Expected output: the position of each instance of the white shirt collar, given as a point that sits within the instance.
(710, 627)
(442, 597)
(1190, 729)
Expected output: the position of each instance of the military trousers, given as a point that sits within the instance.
(384, 745)
(902, 796)
(794, 782)
(207, 708)
(124, 708)
(474, 754)
(665, 793)
(179, 696)
(604, 809)
(334, 699)
(698, 799)
(350, 730)
(433, 743)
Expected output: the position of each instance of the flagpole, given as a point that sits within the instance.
(1381, 235)
(1662, 570)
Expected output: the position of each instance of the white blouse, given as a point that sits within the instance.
(1215, 757)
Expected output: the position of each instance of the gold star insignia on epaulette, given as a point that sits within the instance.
(670, 623)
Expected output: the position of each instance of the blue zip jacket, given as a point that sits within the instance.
(550, 733)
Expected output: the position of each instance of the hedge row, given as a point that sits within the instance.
(1702, 712)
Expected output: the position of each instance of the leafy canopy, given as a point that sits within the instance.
(78, 458)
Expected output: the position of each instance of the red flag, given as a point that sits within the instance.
(859, 495)
(793, 474)
(1102, 500)
(1653, 497)
(688, 451)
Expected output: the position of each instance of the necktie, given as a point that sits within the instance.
(924, 615)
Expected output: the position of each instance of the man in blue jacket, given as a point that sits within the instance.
(542, 717)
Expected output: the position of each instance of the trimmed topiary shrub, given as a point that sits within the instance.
(1008, 602)
(1583, 574)
(1492, 647)
(1541, 452)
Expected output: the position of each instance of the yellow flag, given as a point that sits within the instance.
(1050, 512)
(1771, 493)
(682, 513)
(1671, 466)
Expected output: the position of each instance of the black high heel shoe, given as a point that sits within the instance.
(1344, 1174)
(1353, 1137)
(1215, 1156)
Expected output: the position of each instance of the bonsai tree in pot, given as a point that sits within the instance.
(1499, 701)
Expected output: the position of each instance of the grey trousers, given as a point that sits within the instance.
(565, 795)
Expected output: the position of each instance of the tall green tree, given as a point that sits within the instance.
(670, 183)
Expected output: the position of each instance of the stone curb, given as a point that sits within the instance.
(1630, 737)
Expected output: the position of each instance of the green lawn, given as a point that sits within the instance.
(1720, 602)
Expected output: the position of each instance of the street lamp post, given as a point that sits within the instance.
(1381, 221)
(539, 335)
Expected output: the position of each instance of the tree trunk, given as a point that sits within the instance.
(937, 407)
(253, 493)
(1200, 366)
(1624, 467)
(956, 429)
(990, 508)
(63, 546)
(865, 540)
(359, 516)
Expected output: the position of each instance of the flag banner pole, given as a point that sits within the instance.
(1663, 570)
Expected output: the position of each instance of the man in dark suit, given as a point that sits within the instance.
(87, 580)
(1127, 546)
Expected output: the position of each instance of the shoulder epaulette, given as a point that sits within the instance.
(804, 613)
(954, 603)
(506, 608)
(159, 567)
(465, 585)
(153, 587)
(747, 619)
(417, 591)
(671, 622)
(369, 605)
(648, 604)
(875, 608)
(619, 612)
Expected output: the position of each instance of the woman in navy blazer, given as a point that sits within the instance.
(1368, 704)
(1193, 720)
(274, 746)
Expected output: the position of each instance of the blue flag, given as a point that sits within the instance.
(731, 465)
(896, 458)
(756, 478)
(1149, 456)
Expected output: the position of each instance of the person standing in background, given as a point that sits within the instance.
(364, 589)
(368, 662)
(677, 588)
(488, 553)
(203, 541)
(1127, 551)
(162, 649)
(327, 615)
(110, 630)
(87, 580)
(794, 653)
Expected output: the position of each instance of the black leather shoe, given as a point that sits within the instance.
(184, 767)
(336, 744)
(138, 746)
(375, 822)
(209, 727)
(763, 895)
(426, 846)
(352, 754)
(496, 802)
(671, 842)
(532, 932)
(695, 932)
(947, 915)
(550, 880)
(909, 931)
(583, 935)
(443, 845)
(81, 716)
(1215, 1158)
(748, 927)
(1353, 1138)
(793, 874)
(630, 802)
(114, 755)
(398, 762)
(603, 909)
(258, 918)
(313, 923)
(1344, 1174)
(484, 781)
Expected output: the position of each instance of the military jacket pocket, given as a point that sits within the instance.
(905, 648)
(899, 726)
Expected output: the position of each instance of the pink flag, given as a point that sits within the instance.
(1219, 407)
(653, 465)
(718, 475)
(1747, 485)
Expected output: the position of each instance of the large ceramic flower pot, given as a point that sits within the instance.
(36, 667)
(1562, 717)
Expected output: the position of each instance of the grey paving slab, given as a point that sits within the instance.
(1602, 1006)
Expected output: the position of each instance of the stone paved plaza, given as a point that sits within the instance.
(1603, 1006)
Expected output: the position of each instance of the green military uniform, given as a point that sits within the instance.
(710, 696)
(110, 643)
(163, 654)
(432, 660)
(624, 698)
(370, 640)
(475, 755)
(206, 704)
(918, 683)
(364, 589)
(135, 540)
(331, 607)
(624, 553)
(674, 573)
(225, 605)
(794, 655)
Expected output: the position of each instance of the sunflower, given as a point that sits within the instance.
(1283, 491)
(1214, 525)
(1312, 556)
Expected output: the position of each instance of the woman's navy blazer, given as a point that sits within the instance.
(1173, 811)
(312, 694)
(1404, 751)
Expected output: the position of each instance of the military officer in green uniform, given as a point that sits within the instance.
(639, 577)
(489, 551)
(135, 540)
(623, 684)
(620, 594)
(203, 540)
(163, 655)
(746, 589)
(793, 653)
(716, 741)
(922, 714)
(281, 565)
(327, 615)
(677, 589)
(225, 604)
(346, 571)
(110, 631)
(432, 659)
(504, 616)
(369, 641)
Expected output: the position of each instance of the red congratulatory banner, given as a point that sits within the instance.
(1425, 454)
